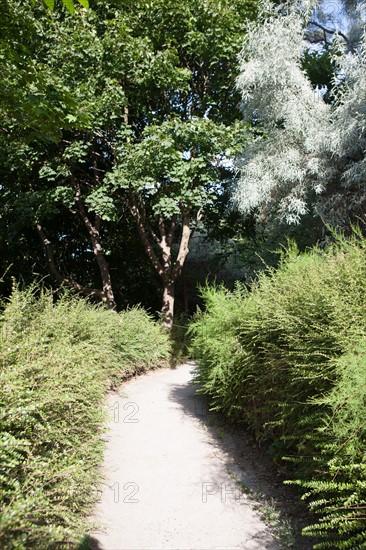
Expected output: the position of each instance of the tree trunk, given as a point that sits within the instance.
(94, 233)
(107, 296)
(168, 305)
(167, 269)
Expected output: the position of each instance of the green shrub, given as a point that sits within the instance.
(57, 361)
(288, 360)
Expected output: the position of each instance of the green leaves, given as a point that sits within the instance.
(101, 202)
(84, 3)
(69, 4)
(50, 3)
(176, 164)
(77, 151)
(48, 173)
(116, 101)
(64, 195)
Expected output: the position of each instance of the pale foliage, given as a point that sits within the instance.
(350, 113)
(304, 145)
(347, 138)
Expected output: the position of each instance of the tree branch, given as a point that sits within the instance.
(199, 215)
(183, 248)
(161, 227)
(147, 225)
(329, 31)
(170, 235)
(138, 217)
(97, 222)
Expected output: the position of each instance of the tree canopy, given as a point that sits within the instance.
(124, 114)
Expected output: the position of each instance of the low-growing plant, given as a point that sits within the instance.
(57, 361)
(287, 358)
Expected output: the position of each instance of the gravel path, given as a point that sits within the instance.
(168, 482)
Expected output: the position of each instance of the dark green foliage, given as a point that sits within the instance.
(57, 361)
(320, 68)
(288, 360)
(147, 82)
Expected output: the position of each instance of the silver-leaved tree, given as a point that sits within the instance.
(310, 151)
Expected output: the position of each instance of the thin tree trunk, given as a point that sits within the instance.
(108, 296)
(168, 304)
(93, 230)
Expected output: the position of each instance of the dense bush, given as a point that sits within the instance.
(57, 360)
(288, 359)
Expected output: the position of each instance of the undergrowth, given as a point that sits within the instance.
(288, 359)
(57, 361)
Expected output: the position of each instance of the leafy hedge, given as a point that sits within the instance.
(57, 361)
(288, 359)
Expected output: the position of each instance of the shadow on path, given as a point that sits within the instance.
(89, 543)
(247, 464)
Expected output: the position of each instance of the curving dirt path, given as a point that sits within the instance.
(169, 483)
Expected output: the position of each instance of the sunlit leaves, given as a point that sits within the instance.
(50, 3)
(101, 201)
(177, 163)
(69, 4)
